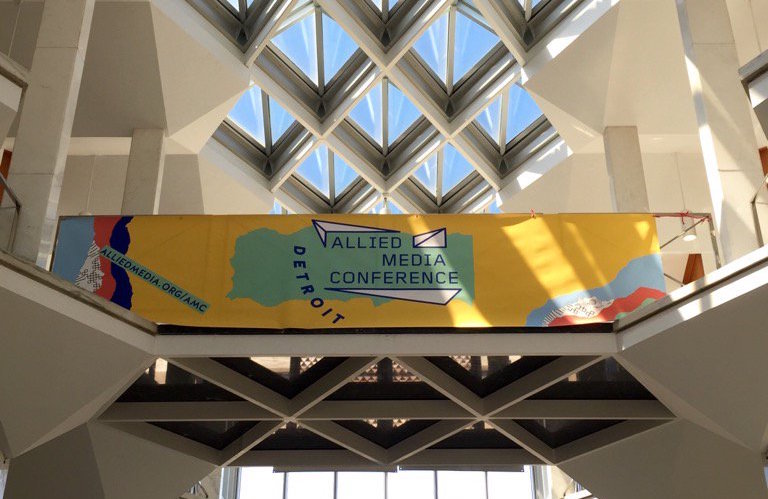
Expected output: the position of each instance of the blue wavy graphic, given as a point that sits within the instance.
(120, 240)
(645, 271)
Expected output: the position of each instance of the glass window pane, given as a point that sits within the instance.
(260, 483)
(343, 175)
(432, 46)
(299, 43)
(411, 485)
(235, 4)
(314, 170)
(461, 485)
(510, 485)
(401, 113)
(490, 119)
(455, 168)
(522, 111)
(359, 485)
(306, 484)
(367, 114)
(248, 114)
(338, 47)
(426, 174)
(472, 43)
(276, 209)
(279, 119)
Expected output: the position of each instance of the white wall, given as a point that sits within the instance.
(215, 182)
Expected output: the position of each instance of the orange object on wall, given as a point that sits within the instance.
(5, 166)
(694, 268)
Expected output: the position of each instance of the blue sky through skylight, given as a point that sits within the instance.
(455, 168)
(343, 174)
(338, 47)
(426, 174)
(401, 113)
(299, 43)
(314, 170)
(522, 111)
(432, 46)
(367, 114)
(490, 119)
(248, 114)
(472, 43)
(279, 119)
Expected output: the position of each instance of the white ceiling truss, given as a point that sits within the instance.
(385, 41)
(449, 431)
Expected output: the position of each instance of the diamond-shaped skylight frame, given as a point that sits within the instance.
(454, 44)
(254, 111)
(508, 116)
(315, 46)
(320, 167)
(442, 173)
(384, 100)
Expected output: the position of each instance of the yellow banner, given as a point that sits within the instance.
(360, 271)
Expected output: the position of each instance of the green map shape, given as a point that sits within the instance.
(263, 265)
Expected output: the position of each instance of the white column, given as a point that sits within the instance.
(625, 169)
(725, 126)
(45, 125)
(144, 176)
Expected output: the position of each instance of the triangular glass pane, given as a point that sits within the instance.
(432, 46)
(314, 170)
(522, 111)
(401, 113)
(299, 43)
(248, 114)
(279, 119)
(472, 43)
(343, 175)
(393, 209)
(367, 114)
(426, 175)
(276, 209)
(490, 119)
(234, 3)
(338, 47)
(379, 4)
(455, 168)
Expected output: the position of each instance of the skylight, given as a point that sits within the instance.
(304, 46)
(442, 172)
(320, 167)
(299, 43)
(384, 99)
(472, 43)
(314, 170)
(426, 174)
(509, 115)
(250, 114)
(455, 168)
(343, 175)
(279, 120)
(522, 111)
(380, 4)
(454, 44)
(338, 47)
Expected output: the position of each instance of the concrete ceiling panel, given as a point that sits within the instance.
(131, 467)
(711, 368)
(195, 135)
(121, 88)
(576, 81)
(99, 462)
(675, 460)
(649, 85)
(198, 81)
(59, 371)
